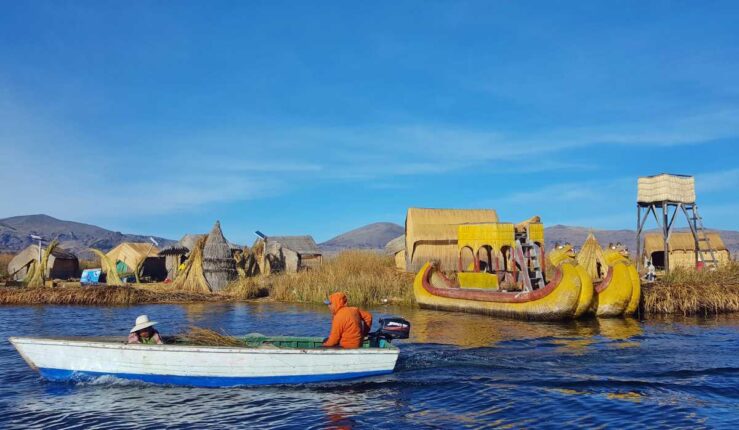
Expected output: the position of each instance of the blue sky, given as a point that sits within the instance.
(319, 117)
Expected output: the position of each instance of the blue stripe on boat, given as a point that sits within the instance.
(205, 381)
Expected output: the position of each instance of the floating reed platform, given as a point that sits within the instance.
(101, 296)
(687, 292)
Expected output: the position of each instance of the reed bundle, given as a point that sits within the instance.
(192, 277)
(240, 259)
(139, 269)
(37, 273)
(208, 337)
(689, 292)
(108, 266)
(30, 273)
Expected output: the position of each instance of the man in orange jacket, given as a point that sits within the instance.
(349, 326)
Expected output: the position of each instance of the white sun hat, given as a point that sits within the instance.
(142, 322)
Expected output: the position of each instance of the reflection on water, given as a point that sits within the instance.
(456, 371)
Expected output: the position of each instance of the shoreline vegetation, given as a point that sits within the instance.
(689, 292)
(370, 279)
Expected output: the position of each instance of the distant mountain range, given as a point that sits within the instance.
(15, 234)
(371, 236)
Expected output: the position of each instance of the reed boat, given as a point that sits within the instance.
(618, 294)
(263, 360)
(566, 296)
(587, 290)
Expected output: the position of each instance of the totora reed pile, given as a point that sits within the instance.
(192, 278)
(108, 267)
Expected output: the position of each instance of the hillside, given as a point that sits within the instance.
(15, 234)
(371, 236)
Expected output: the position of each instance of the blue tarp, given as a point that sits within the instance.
(91, 276)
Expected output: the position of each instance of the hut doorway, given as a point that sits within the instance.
(658, 259)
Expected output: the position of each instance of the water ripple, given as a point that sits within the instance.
(458, 371)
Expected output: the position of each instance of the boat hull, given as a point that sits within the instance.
(587, 291)
(614, 293)
(557, 301)
(633, 305)
(63, 360)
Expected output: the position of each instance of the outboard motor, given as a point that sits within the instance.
(390, 328)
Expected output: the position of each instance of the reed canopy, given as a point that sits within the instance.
(591, 258)
(431, 234)
(666, 188)
(682, 249)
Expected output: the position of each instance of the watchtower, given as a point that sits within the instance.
(664, 196)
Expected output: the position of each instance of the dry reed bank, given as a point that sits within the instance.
(366, 277)
(101, 296)
(688, 292)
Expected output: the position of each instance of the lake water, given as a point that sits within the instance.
(457, 371)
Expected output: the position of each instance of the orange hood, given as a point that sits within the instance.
(338, 301)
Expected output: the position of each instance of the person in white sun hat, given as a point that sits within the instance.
(144, 332)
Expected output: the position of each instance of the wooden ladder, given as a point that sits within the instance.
(706, 253)
(527, 251)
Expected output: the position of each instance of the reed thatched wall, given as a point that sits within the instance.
(431, 234)
(682, 249)
(400, 260)
(219, 266)
(664, 187)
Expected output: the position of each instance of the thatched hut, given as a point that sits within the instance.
(174, 256)
(682, 249)
(288, 254)
(62, 264)
(591, 258)
(129, 255)
(431, 234)
(396, 249)
(219, 266)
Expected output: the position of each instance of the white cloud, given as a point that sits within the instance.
(724, 180)
(51, 165)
